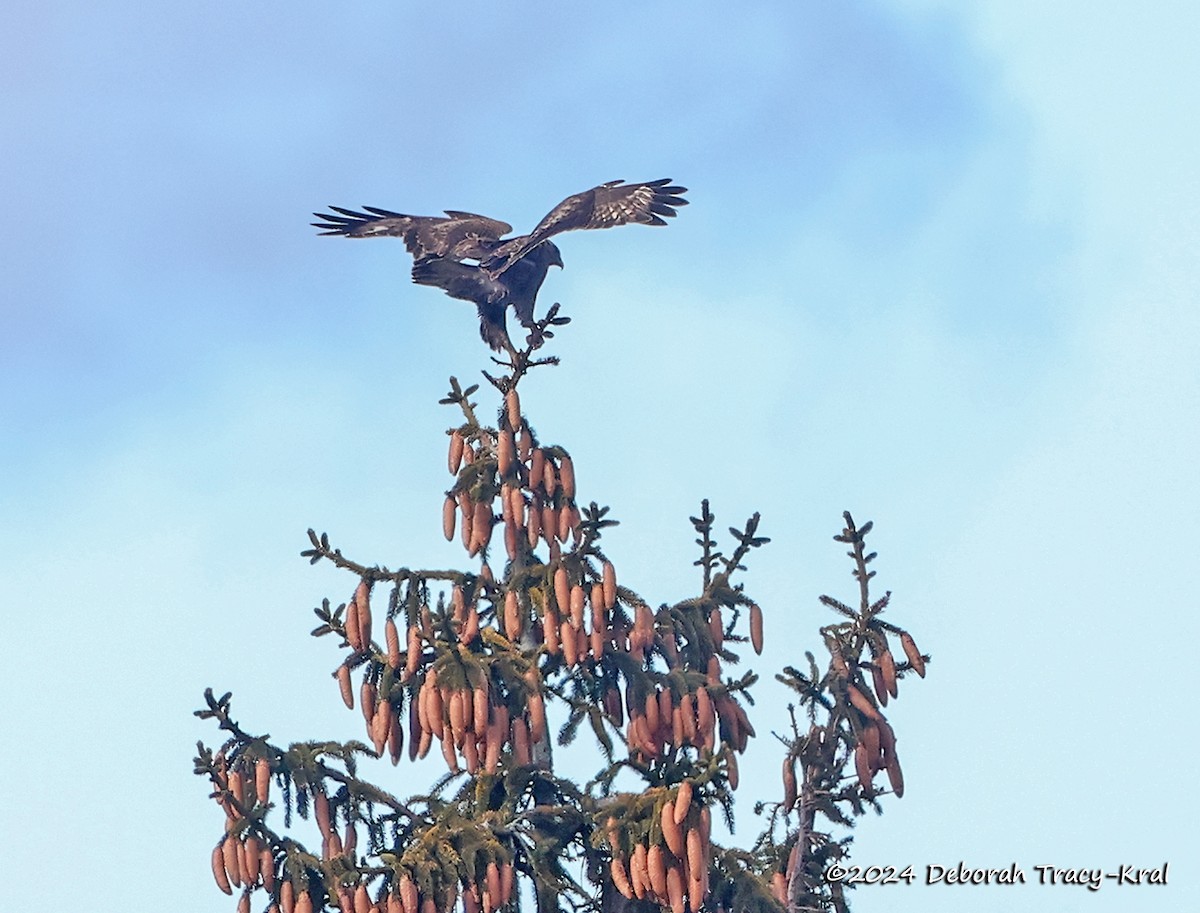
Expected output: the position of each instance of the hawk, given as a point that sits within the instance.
(467, 256)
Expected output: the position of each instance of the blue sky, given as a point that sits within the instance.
(939, 269)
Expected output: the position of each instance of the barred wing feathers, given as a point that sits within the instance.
(606, 206)
(460, 235)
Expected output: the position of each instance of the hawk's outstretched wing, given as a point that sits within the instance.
(460, 235)
(611, 204)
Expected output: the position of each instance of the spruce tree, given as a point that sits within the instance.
(496, 666)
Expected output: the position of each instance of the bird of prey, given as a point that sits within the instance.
(467, 256)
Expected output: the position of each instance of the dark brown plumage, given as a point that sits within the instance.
(505, 273)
